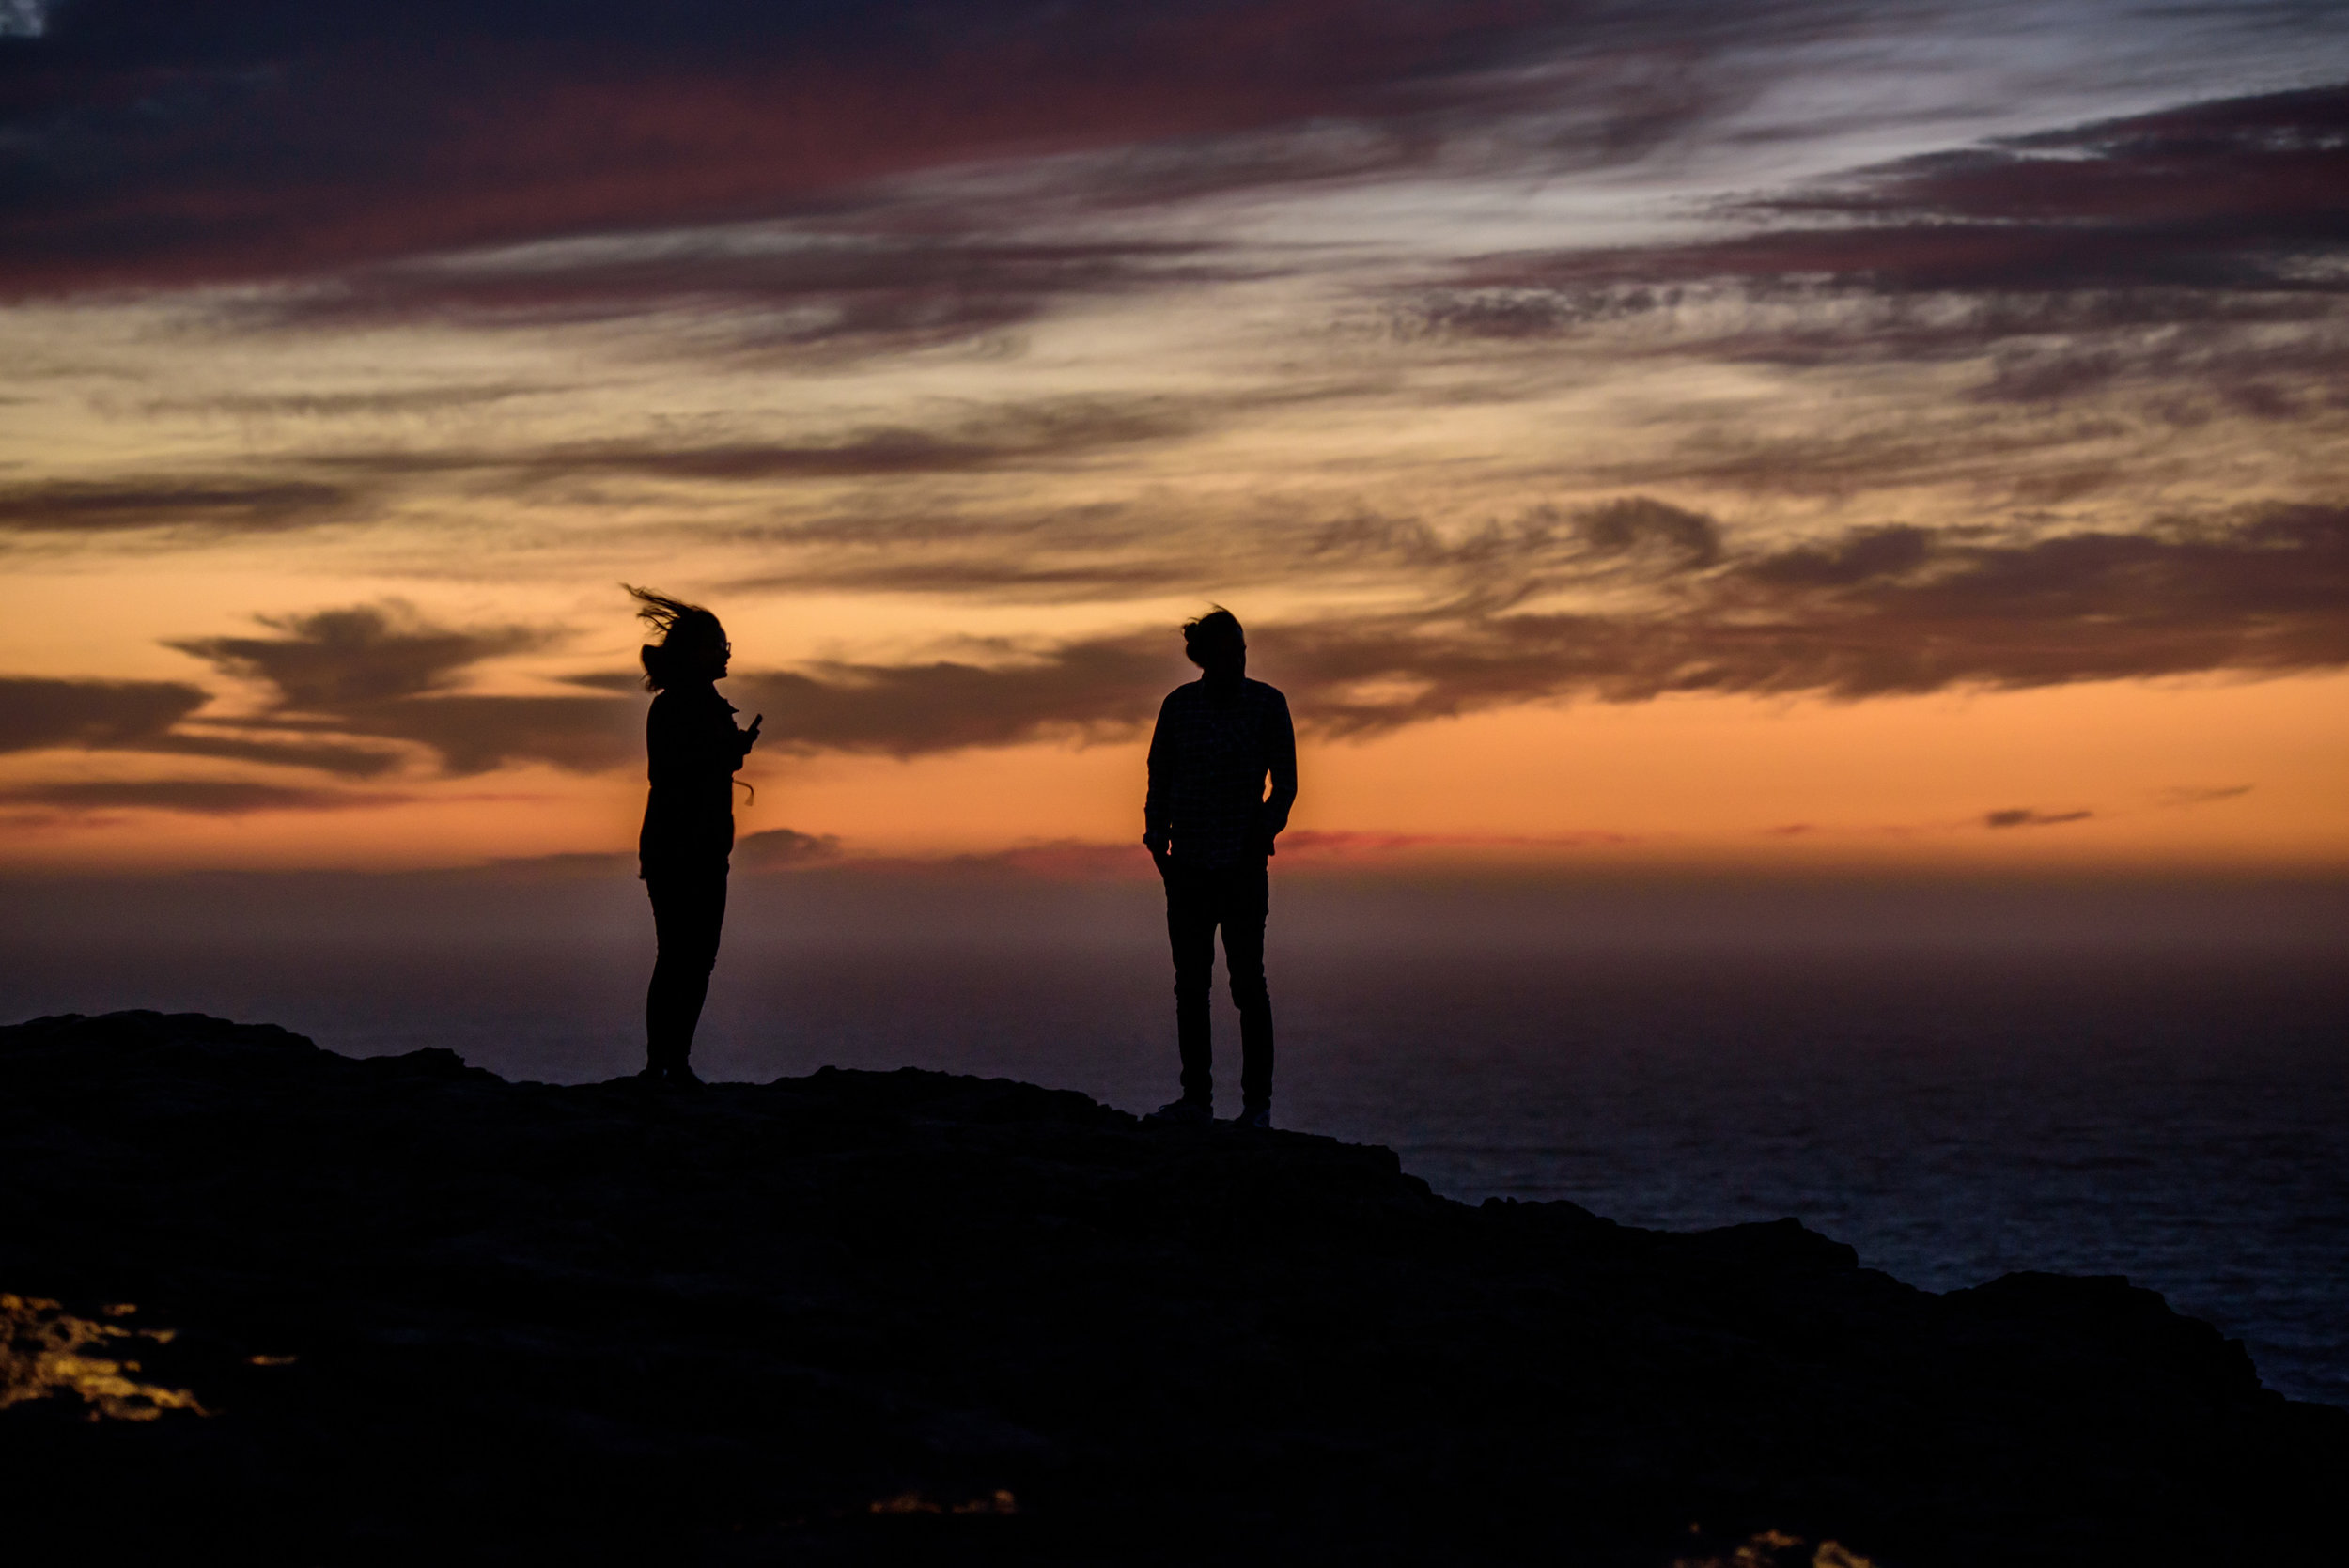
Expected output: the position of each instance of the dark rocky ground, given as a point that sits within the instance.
(535, 1324)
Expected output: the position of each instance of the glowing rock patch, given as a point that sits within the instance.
(46, 1351)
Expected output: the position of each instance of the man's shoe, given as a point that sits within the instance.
(1256, 1116)
(681, 1073)
(1184, 1110)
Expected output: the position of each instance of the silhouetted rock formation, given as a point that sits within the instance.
(860, 1316)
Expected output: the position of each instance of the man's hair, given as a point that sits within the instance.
(1218, 629)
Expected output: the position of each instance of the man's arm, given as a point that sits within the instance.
(1158, 801)
(1281, 764)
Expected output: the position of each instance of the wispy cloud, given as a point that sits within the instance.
(334, 659)
(195, 797)
(158, 717)
(1032, 435)
(2028, 816)
(1670, 601)
(1865, 613)
(95, 715)
(386, 671)
(782, 848)
(152, 148)
(2222, 217)
(194, 507)
(2202, 795)
(820, 294)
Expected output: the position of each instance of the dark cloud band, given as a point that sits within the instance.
(1864, 612)
(194, 508)
(95, 715)
(192, 796)
(150, 143)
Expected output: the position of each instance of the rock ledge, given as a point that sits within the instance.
(907, 1316)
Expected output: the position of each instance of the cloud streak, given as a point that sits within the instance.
(1037, 435)
(384, 672)
(94, 715)
(1860, 613)
(2025, 816)
(820, 295)
(2230, 213)
(146, 145)
(190, 507)
(187, 797)
(1688, 607)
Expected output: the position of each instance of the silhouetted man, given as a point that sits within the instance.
(1210, 826)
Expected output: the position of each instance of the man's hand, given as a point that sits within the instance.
(750, 736)
(1260, 836)
(1154, 842)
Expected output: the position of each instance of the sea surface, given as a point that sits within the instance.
(2180, 1118)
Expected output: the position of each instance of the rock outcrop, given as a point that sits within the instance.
(400, 1309)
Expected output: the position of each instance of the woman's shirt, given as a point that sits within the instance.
(693, 750)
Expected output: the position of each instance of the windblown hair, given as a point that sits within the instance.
(686, 629)
(1218, 629)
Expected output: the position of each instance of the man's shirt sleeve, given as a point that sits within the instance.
(1281, 743)
(1157, 804)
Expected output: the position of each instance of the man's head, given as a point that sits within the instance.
(1215, 643)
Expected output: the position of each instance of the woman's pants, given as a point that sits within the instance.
(688, 910)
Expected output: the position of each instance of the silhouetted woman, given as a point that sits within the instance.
(693, 749)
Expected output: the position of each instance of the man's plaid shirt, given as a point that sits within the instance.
(1208, 761)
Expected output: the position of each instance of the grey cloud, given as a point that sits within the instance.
(1020, 436)
(1867, 613)
(1862, 612)
(2185, 795)
(1641, 522)
(2193, 369)
(2234, 195)
(335, 658)
(326, 756)
(1095, 688)
(1860, 555)
(198, 797)
(2147, 251)
(2024, 816)
(201, 508)
(383, 672)
(150, 154)
(814, 295)
(154, 716)
(475, 734)
(1905, 448)
(779, 849)
(332, 405)
(1124, 551)
(91, 714)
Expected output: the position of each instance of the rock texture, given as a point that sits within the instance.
(421, 1312)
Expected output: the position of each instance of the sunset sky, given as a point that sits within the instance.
(1683, 434)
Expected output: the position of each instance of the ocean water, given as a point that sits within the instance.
(2177, 1116)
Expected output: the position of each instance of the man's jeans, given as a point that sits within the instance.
(1199, 899)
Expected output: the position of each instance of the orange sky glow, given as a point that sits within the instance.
(1859, 444)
